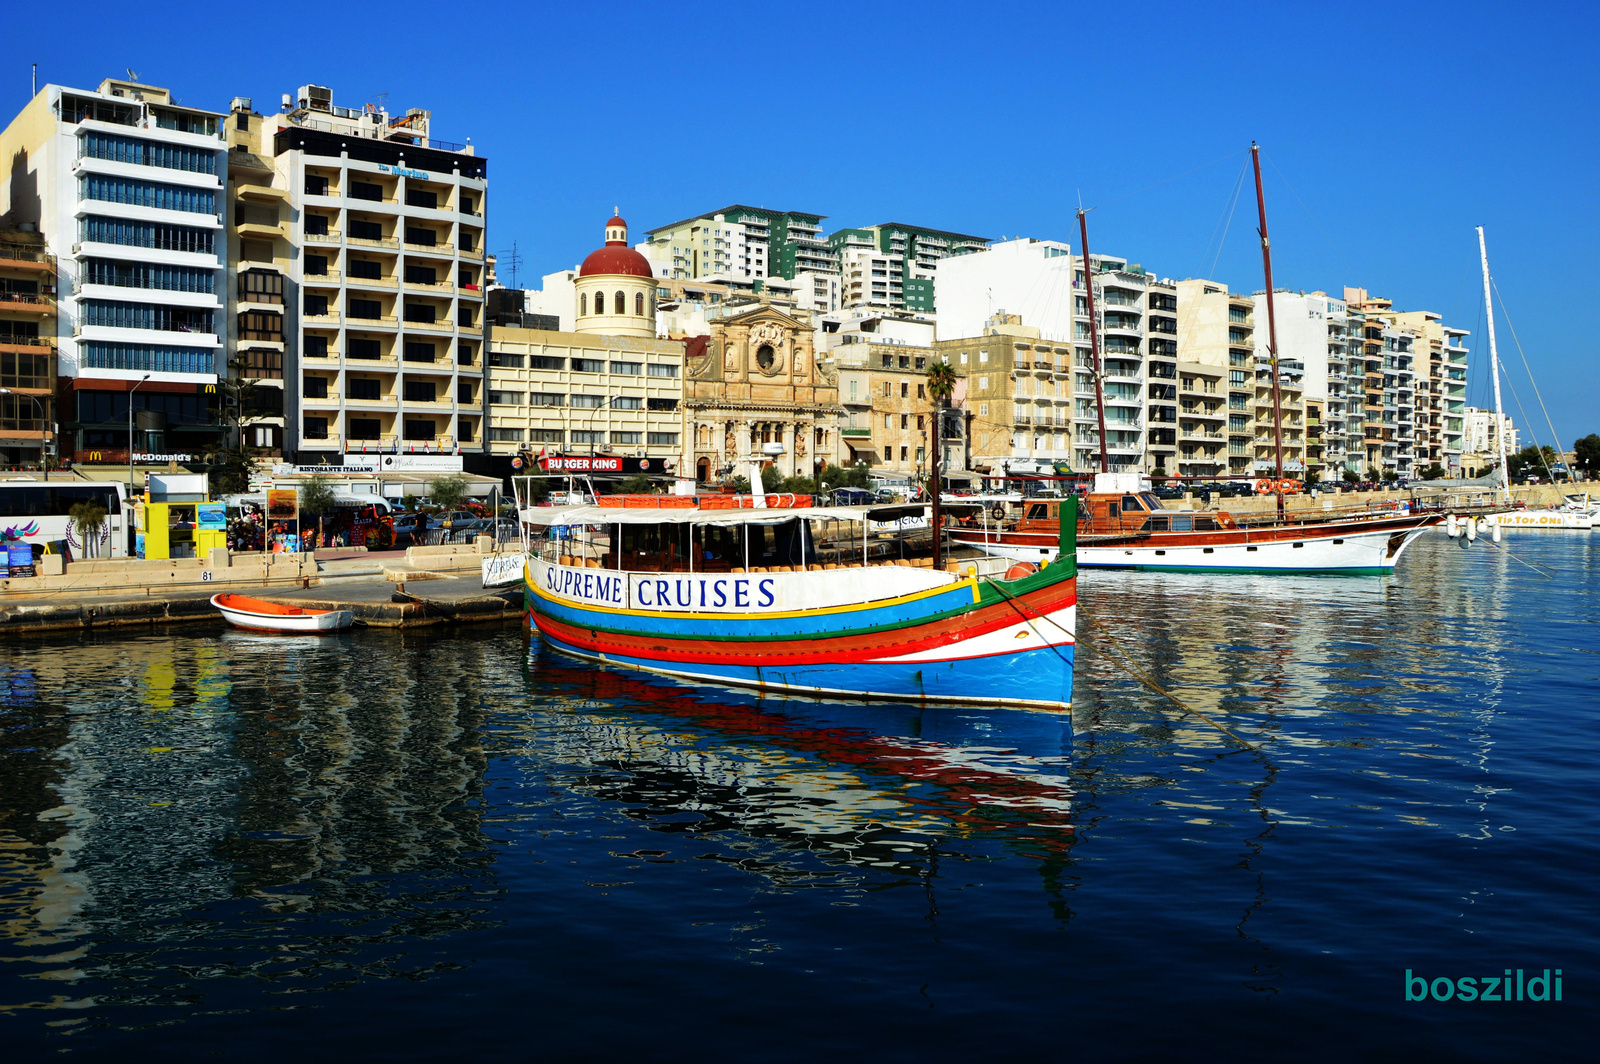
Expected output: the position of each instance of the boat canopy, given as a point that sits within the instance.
(608, 515)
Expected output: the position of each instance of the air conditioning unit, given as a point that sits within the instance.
(316, 98)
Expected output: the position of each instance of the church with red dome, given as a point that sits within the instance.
(616, 288)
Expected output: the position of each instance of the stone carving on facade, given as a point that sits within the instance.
(767, 341)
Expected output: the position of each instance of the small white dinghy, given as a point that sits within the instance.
(242, 611)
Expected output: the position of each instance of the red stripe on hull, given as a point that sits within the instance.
(871, 646)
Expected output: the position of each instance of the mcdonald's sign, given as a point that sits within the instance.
(207, 389)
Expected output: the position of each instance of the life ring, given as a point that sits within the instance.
(1020, 570)
(998, 513)
(1265, 486)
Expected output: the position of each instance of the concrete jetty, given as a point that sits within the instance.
(418, 587)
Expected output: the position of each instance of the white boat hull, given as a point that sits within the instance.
(1350, 553)
(1550, 520)
(325, 621)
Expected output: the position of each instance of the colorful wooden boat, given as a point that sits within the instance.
(258, 615)
(802, 599)
(1126, 527)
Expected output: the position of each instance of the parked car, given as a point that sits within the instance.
(1168, 491)
(455, 517)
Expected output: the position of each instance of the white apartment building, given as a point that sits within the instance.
(380, 266)
(1032, 279)
(127, 188)
(1480, 437)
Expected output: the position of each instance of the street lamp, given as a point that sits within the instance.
(44, 462)
(130, 431)
(603, 406)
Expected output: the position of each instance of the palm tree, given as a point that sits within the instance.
(941, 385)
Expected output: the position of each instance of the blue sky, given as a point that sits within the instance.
(1389, 131)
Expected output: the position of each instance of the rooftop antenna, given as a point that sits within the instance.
(513, 259)
(36, 79)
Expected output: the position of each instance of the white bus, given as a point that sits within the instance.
(36, 511)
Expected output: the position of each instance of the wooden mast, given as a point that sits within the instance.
(1272, 328)
(1094, 339)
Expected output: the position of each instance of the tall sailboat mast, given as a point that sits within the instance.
(1094, 339)
(1272, 324)
(1494, 368)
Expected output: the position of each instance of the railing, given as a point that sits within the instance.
(373, 242)
(23, 253)
(26, 298)
(325, 277)
(27, 341)
(330, 237)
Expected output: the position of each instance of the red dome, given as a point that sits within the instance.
(615, 260)
(616, 220)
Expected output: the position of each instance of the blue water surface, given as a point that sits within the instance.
(451, 844)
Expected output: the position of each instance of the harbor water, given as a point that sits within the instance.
(459, 845)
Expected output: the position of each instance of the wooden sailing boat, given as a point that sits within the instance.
(1122, 525)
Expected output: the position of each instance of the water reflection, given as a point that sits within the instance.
(172, 808)
(208, 820)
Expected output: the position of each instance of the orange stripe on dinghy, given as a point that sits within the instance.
(245, 604)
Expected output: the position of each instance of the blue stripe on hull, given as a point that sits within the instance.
(1044, 673)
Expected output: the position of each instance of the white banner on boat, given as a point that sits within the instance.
(502, 570)
(747, 593)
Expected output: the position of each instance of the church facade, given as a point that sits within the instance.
(753, 381)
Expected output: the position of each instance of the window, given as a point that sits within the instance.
(421, 275)
(366, 190)
(920, 425)
(316, 306)
(588, 365)
(905, 421)
(468, 240)
(537, 398)
(364, 428)
(314, 346)
(464, 353)
(314, 428)
(125, 190)
(417, 197)
(147, 235)
(315, 266)
(421, 237)
(469, 204)
(497, 435)
(418, 351)
(146, 275)
(922, 391)
(886, 421)
(619, 304)
(258, 325)
(314, 387)
(888, 454)
(905, 390)
(662, 369)
(905, 454)
(367, 389)
(588, 402)
(419, 430)
(661, 404)
(365, 308)
(366, 268)
(97, 145)
(361, 229)
(983, 409)
(540, 362)
(316, 224)
(662, 439)
(517, 399)
(316, 186)
(627, 402)
(421, 392)
(364, 347)
(852, 389)
(983, 356)
(425, 313)
(628, 369)
(983, 384)
(583, 303)
(588, 436)
(546, 436)
(266, 286)
(638, 303)
(630, 439)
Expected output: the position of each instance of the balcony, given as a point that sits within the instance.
(27, 303)
(333, 236)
